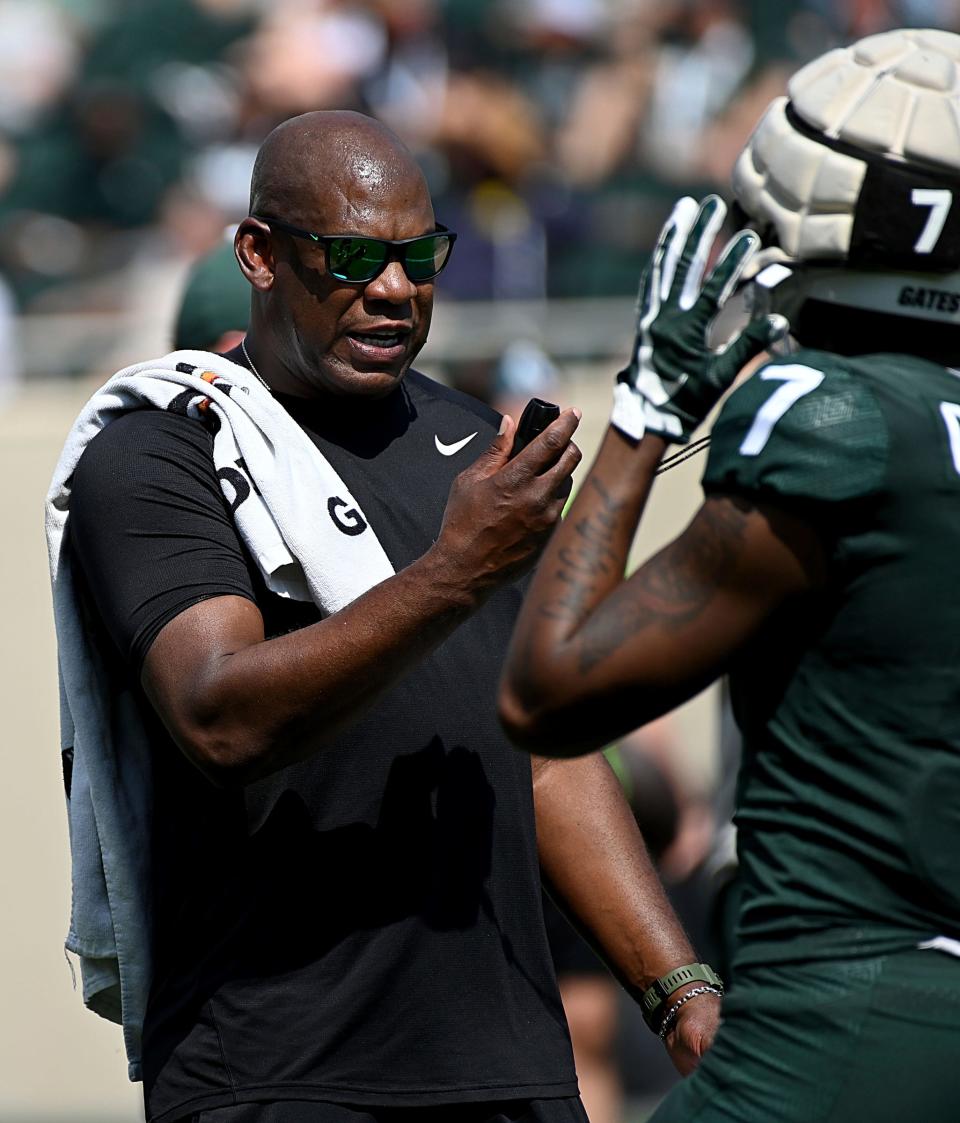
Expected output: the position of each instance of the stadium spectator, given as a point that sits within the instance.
(535, 111)
(817, 570)
(132, 139)
(215, 304)
(344, 896)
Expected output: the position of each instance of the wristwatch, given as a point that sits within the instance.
(654, 996)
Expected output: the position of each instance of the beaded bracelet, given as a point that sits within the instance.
(671, 1014)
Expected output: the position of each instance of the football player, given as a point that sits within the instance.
(819, 572)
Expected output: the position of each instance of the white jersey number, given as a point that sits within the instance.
(950, 412)
(939, 200)
(798, 381)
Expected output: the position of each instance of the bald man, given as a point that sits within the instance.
(347, 852)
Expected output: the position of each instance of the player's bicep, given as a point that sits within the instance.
(673, 627)
(709, 590)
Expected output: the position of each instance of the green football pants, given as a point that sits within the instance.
(845, 1041)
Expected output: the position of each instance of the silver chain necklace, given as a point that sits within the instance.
(253, 370)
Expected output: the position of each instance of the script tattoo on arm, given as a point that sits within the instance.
(588, 562)
(672, 588)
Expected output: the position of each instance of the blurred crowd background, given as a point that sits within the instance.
(555, 135)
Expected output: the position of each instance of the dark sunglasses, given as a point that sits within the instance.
(357, 260)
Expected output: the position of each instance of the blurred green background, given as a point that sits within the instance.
(555, 135)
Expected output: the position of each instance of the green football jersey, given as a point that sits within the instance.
(848, 804)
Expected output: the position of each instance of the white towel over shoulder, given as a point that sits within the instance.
(283, 493)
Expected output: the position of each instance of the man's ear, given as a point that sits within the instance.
(254, 249)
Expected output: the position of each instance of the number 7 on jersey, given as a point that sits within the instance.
(797, 381)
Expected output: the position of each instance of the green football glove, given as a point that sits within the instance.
(674, 379)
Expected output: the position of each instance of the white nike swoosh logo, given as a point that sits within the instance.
(449, 450)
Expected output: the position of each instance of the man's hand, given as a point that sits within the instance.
(673, 379)
(693, 1032)
(500, 510)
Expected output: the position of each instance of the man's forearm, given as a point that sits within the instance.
(594, 859)
(553, 654)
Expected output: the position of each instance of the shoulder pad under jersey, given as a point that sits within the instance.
(803, 427)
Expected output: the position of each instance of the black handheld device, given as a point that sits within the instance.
(537, 415)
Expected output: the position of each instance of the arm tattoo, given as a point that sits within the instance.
(673, 587)
(587, 559)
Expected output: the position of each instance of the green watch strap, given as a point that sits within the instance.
(654, 996)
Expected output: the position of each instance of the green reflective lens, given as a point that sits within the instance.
(362, 259)
(425, 257)
(355, 259)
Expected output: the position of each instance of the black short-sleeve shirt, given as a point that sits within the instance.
(364, 926)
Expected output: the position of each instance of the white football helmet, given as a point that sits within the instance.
(853, 181)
